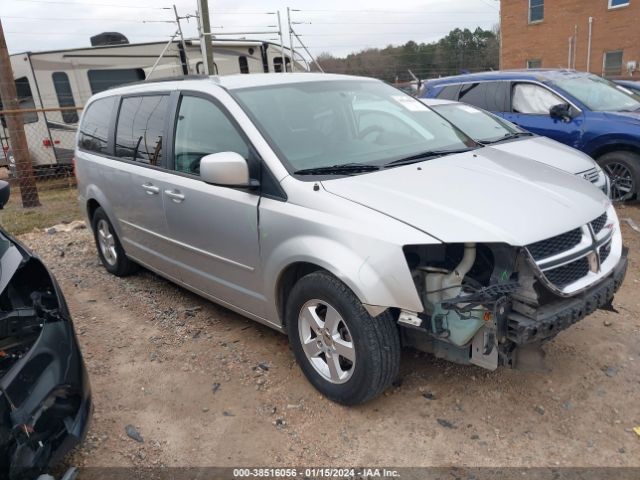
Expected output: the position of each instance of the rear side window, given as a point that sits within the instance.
(450, 92)
(101, 80)
(140, 128)
(94, 130)
(65, 96)
(487, 95)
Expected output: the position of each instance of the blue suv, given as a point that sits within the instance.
(578, 109)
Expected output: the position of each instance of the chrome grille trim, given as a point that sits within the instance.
(592, 175)
(576, 260)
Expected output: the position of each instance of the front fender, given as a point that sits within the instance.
(596, 146)
(381, 280)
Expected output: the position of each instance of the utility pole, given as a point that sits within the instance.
(206, 39)
(19, 146)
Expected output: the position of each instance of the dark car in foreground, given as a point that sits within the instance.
(578, 109)
(45, 399)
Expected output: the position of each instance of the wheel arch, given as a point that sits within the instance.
(613, 145)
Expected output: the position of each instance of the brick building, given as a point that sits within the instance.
(600, 36)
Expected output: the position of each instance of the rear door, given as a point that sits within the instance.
(530, 105)
(138, 180)
(214, 229)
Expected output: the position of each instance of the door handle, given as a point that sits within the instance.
(174, 195)
(150, 189)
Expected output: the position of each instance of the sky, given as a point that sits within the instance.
(332, 26)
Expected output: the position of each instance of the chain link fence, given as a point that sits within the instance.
(40, 169)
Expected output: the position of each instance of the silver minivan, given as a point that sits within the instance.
(348, 215)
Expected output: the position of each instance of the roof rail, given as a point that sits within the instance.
(177, 78)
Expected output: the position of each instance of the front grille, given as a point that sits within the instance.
(567, 274)
(555, 245)
(599, 223)
(591, 175)
(605, 250)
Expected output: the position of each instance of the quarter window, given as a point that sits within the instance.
(613, 63)
(101, 80)
(487, 95)
(203, 128)
(536, 11)
(65, 96)
(533, 99)
(94, 130)
(140, 128)
(450, 92)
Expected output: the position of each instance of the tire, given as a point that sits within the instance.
(110, 250)
(373, 343)
(623, 169)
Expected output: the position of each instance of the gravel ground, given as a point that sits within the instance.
(203, 386)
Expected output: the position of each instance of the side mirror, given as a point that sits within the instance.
(5, 193)
(226, 169)
(562, 111)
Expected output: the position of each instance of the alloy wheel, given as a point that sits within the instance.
(326, 341)
(107, 242)
(622, 182)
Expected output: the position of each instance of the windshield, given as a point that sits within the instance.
(327, 123)
(598, 94)
(480, 125)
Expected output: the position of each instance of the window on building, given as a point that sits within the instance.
(536, 11)
(533, 99)
(101, 80)
(65, 96)
(94, 131)
(618, 3)
(613, 63)
(244, 64)
(140, 128)
(535, 63)
(202, 129)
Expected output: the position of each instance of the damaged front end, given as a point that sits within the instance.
(493, 304)
(45, 401)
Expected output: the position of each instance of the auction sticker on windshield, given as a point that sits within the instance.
(410, 103)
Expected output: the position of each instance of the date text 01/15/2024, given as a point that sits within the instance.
(313, 473)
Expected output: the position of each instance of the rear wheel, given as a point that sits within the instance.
(623, 169)
(345, 353)
(109, 248)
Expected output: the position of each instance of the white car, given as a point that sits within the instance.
(489, 129)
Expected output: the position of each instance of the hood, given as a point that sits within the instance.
(629, 117)
(549, 152)
(481, 196)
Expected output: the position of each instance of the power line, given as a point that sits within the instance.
(88, 19)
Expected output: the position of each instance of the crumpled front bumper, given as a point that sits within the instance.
(547, 321)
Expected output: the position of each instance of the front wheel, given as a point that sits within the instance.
(623, 169)
(345, 353)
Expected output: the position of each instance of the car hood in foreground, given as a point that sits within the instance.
(481, 196)
(550, 152)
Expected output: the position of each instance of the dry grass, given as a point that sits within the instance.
(58, 205)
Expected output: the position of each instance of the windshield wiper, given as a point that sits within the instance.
(425, 156)
(508, 136)
(345, 169)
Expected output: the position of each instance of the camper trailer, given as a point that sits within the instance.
(64, 79)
